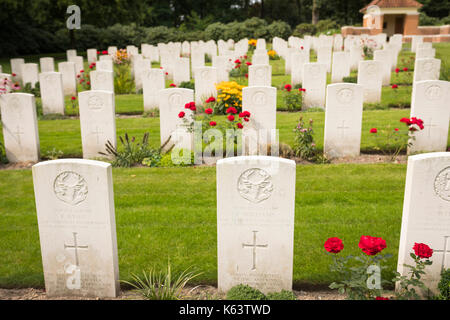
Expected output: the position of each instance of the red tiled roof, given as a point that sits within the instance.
(393, 4)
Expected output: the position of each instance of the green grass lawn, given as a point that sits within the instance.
(155, 224)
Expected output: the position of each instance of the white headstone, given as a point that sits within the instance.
(324, 56)
(425, 53)
(102, 80)
(425, 214)
(67, 69)
(52, 92)
(112, 51)
(104, 65)
(71, 53)
(140, 66)
(30, 73)
(16, 67)
(255, 222)
(181, 72)
(340, 67)
(79, 64)
(91, 55)
(343, 118)
(20, 129)
(261, 102)
(171, 103)
(152, 82)
(47, 64)
(430, 102)
(415, 41)
(260, 75)
(370, 77)
(205, 83)
(97, 122)
(297, 62)
(314, 82)
(260, 58)
(427, 69)
(77, 229)
(384, 57)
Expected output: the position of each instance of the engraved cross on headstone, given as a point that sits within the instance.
(18, 133)
(97, 132)
(445, 251)
(76, 247)
(254, 246)
(429, 125)
(342, 128)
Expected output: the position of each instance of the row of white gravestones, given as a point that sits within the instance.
(79, 252)
(20, 128)
(430, 102)
(426, 214)
(343, 119)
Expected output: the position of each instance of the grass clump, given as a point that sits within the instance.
(245, 292)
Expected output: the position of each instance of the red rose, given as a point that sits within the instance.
(98, 52)
(81, 71)
(210, 99)
(105, 52)
(334, 245)
(373, 130)
(246, 75)
(397, 70)
(301, 89)
(248, 63)
(381, 298)
(405, 69)
(246, 119)
(181, 114)
(74, 98)
(394, 86)
(237, 61)
(246, 113)
(88, 83)
(422, 250)
(172, 85)
(230, 117)
(405, 120)
(288, 87)
(396, 129)
(239, 125)
(209, 111)
(212, 123)
(232, 110)
(371, 245)
(167, 73)
(14, 74)
(187, 106)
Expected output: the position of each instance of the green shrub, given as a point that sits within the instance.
(282, 295)
(36, 91)
(187, 85)
(444, 285)
(245, 292)
(326, 25)
(256, 28)
(132, 152)
(215, 31)
(350, 79)
(425, 20)
(304, 29)
(279, 29)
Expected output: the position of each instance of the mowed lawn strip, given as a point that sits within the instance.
(64, 135)
(169, 214)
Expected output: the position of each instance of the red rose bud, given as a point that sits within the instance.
(246, 119)
(405, 69)
(81, 71)
(209, 111)
(334, 245)
(371, 245)
(181, 114)
(396, 129)
(212, 123)
(373, 130)
(172, 85)
(230, 117)
(237, 61)
(394, 86)
(248, 63)
(98, 52)
(288, 87)
(14, 74)
(167, 73)
(397, 70)
(422, 250)
(246, 75)
(74, 98)
(301, 47)
(239, 125)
